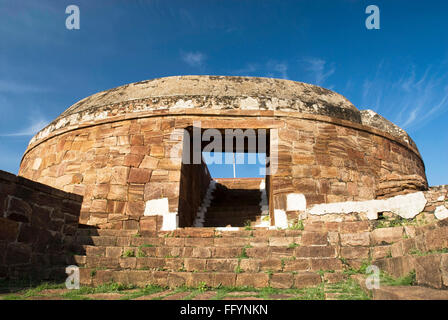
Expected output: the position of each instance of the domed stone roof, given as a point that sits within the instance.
(225, 94)
(214, 86)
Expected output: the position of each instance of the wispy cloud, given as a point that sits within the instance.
(279, 68)
(410, 100)
(271, 68)
(34, 127)
(319, 70)
(249, 69)
(17, 87)
(194, 59)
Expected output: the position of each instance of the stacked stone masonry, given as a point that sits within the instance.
(116, 148)
(35, 222)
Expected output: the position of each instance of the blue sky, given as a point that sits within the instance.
(400, 71)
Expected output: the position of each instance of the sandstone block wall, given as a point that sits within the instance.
(331, 162)
(115, 148)
(118, 166)
(35, 219)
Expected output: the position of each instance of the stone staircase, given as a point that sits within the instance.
(234, 205)
(195, 256)
(320, 253)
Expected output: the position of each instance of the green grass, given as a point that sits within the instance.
(399, 222)
(361, 270)
(420, 253)
(140, 254)
(297, 226)
(247, 225)
(129, 253)
(243, 254)
(293, 245)
(347, 290)
(146, 246)
(312, 293)
(146, 291)
(388, 280)
(30, 289)
(238, 268)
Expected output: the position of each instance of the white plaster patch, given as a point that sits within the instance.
(295, 202)
(264, 224)
(227, 228)
(160, 207)
(280, 218)
(406, 206)
(441, 198)
(441, 212)
(37, 163)
(156, 207)
(181, 104)
(249, 103)
(170, 221)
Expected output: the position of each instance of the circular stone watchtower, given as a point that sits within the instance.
(122, 149)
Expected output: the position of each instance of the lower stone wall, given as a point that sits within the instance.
(425, 254)
(35, 219)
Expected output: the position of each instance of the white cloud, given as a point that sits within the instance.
(34, 127)
(248, 69)
(280, 69)
(319, 70)
(410, 100)
(194, 59)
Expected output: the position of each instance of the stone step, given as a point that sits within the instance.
(232, 221)
(93, 277)
(409, 293)
(229, 252)
(105, 232)
(200, 232)
(234, 209)
(305, 239)
(232, 215)
(212, 264)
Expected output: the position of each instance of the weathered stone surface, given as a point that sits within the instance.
(427, 271)
(282, 280)
(333, 264)
(9, 229)
(314, 238)
(444, 269)
(383, 236)
(257, 280)
(409, 293)
(436, 239)
(355, 239)
(137, 175)
(355, 252)
(306, 279)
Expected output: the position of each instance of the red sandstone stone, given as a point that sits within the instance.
(256, 280)
(306, 279)
(137, 175)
